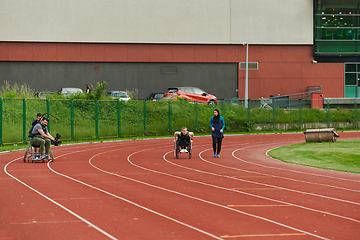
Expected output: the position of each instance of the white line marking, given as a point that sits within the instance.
(195, 198)
(56, 203)
(275, 176)
(245, 193)
(133, 203)
(320, 184)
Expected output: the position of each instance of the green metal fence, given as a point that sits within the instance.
(85, 119)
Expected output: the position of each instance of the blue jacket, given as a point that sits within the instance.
(217, 126)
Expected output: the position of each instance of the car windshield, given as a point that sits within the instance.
(187, 89)
(173, 90)
(120, 95)
(198, 90)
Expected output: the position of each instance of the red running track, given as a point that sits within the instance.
(138, 190)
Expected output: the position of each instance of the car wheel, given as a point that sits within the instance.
(212, 103)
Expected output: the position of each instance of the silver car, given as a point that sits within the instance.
(121, 95)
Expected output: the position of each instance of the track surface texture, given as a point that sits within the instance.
(139, 190)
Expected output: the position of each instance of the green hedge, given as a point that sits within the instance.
(138, 118)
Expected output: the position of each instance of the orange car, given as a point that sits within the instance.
(191, 94)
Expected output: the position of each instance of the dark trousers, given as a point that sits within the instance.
(217, 141)
(183, 143)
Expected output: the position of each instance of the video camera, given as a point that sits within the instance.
(56, 142)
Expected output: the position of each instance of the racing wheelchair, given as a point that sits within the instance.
(178, 149)
(33, 156)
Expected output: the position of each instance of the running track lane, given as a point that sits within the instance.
(138, 190)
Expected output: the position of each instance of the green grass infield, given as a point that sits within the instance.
(342, 155)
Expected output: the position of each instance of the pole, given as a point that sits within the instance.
(145, 123)
(1, 121)
(196, 117)
(48, 110)
(119, 118)
(72, 119)
(355, 113)
(170, 117)
(96, 119)
(246, 74)
(24, 120)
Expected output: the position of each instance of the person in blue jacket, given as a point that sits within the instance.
(217, 125)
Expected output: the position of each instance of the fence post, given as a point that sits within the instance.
(170, 118)
(1, 121)
(355, 113)
(96, 119)
(72, 119)
(248, 110)
(328, 113)
(274, 114)
(48, 111)
(196, 117)
(24, 120)
(300, 114)
(223, 108)
(145, 118)
(119, 118)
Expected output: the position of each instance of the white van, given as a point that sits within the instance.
(69, 91)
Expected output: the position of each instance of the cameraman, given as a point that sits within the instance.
(38, 119)
(42, 137)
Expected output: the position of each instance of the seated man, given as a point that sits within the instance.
(41, 137)
(38, 119)
(184, 138)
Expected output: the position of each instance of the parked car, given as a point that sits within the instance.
(69, 91)
(43, 94)
(122, 95)
(193, 94)
(155, 97)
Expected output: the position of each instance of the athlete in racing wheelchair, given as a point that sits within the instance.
(183, 143)
(40, 138)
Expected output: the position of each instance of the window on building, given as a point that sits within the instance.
(352, 80)
(337, 28)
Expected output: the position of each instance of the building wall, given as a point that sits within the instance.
(283, 69)
(158, 21)
(219, 79)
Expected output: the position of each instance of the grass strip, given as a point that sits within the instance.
(342, 155)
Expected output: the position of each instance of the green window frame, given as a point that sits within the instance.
(336, 28)
(352, 80)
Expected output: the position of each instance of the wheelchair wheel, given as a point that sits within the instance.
(189, 149)
(176, 150)
(27, 153)
(177, 153)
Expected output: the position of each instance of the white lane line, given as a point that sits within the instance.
(56, 203)
(238, 191)
(133, 203)
(271, 175)
(275, 176)
(53, 201)
(263, 184)
(47, 222)
(195, 198)
(290, 170)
